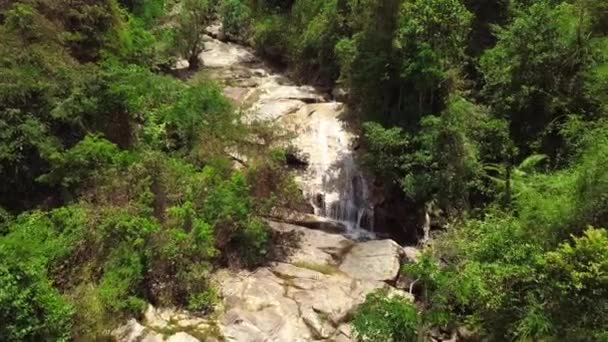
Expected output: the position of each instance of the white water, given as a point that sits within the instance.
(332, 182)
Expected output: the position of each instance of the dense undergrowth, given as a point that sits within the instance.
(118, 185)
(490, 116)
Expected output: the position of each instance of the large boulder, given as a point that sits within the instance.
(373, 260)
(314, 246)
(218, 54)
(289, 302)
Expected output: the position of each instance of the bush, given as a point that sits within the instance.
(383, 317)
(270, 36)
(236, 18)
(203, 302)
(75, 166)
(30, 308)
(239, 234)
(577, 287)
(201, 112)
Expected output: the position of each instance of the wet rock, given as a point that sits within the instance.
(314, 291)
(181, 64)
(305, 94)
(306, 298)
(341, 338)
(373, 260)
(405, 282)
(216, 31)
(133, 331)
(303, 300)
(319, 326)
(269, 324)
(237, 94)
(272, 110)
(442, 335)
(152, 337)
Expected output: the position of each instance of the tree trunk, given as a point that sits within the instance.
(193, 61)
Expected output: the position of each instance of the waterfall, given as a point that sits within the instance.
(333, 182)
(348, 202)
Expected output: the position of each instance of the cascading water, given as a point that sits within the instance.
(333, 182)
(335, 186)
(347, 202)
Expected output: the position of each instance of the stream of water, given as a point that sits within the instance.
(332, 181)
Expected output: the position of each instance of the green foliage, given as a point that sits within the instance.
(89, 26)
(441, 162)
(591, 188)
(430, 46)
(383, 317)
(147, 10)
(238, 233)
(121, 279)
(203, 302)
(201, 112)
(502, 128)
(31, 308)
(502, 281)
(387, 149)
(578, 285)
(236, 18)
(193, 19)
(317, 31)
(75, 165)
(533, 75)
(270, 36)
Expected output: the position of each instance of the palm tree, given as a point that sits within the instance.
(509, 180)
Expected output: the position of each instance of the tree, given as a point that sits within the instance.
(533, 75)
(193, 19)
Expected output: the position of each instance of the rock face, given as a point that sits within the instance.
(373, 260)
(310, 296)
(305, 299)
(155, 328)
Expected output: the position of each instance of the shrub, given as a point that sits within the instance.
(30, 308)
(270, 36)
(383, 317)
(204, 301)
(76, 165)
(236, 18)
